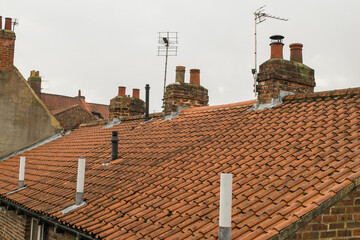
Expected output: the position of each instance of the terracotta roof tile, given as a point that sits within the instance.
(285, 162)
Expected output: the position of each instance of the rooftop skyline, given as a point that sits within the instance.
(97, 47)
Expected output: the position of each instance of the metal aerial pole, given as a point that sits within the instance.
(167, 47)
(260, 16)
(166, 60)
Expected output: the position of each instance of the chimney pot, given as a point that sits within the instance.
(8, 23)
(32, 73)
(276, 46)
(136, 93)
(0, 22)
(180, 74)
(296, 52)
(122, 91)
(79, 93)
(195, 76)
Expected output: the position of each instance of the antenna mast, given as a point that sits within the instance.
(167, 46)
(260, 16)
(15, 23)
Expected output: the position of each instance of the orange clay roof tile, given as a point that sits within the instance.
(286, 161)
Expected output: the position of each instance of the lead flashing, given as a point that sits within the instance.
(274, 102)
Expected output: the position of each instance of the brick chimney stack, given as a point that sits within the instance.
(124, 105)
(7, 46)
(35, 82)
(296, 52)
(195, 76)
(188, 95)
(277, 75)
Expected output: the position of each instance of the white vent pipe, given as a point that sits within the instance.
(21, 172)
(225, 206)
(80, 181)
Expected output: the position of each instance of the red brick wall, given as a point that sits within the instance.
(7, 48)
(13, 226)
(51, 235)
(341, 221)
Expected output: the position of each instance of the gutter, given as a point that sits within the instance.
(49, 221)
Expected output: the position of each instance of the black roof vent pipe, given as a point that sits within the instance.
(114, 145)
(147, 90)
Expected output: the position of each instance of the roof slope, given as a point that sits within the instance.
(285, 161)
(59, 103)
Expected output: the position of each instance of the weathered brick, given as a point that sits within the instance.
(310, 235)
(347, 217)
(329, 219)
(337, 210)
(328, 234)
(319, 226)
(352, 209)
(353, 224)
(336, 226)
(343, 233)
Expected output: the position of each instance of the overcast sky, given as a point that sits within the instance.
(97, 46)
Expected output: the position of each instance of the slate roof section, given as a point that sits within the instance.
(59, 103)
(286, 162)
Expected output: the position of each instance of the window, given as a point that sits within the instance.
(37, 230)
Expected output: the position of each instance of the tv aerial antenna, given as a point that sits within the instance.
(167, 46)
(15, 23)
(260, 16)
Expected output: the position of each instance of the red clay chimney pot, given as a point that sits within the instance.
(195, 76)
(79, 93)
(8, 23)
(136, 93)
(0, 22)
(296, 52)
(121, 91)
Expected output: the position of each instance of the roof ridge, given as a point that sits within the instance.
(230, 105)
(324, 94)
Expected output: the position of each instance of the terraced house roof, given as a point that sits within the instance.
(286, 161)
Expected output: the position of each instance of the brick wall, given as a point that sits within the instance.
(7, 48)
(186, 95)
(52, 235)
(13, 226)
(341, 221)
(279, 74)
